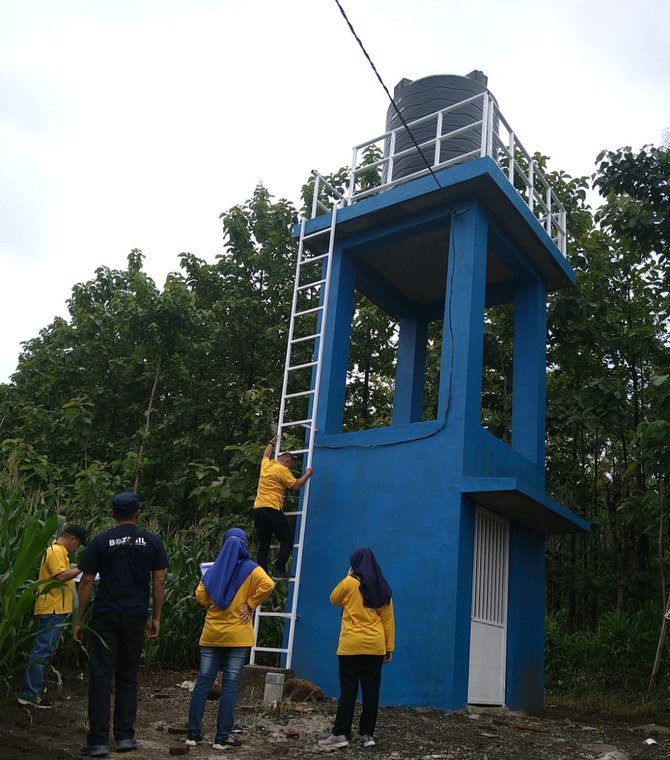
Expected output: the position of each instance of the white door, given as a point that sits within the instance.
(488, 627)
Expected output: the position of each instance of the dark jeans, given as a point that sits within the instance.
(269, 522)
(365, 669)
(119, 660)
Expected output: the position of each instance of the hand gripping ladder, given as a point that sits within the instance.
(300, 395)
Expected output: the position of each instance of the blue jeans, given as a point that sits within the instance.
(48, 633)
(230, 660)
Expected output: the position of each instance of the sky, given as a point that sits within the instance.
(134, 123)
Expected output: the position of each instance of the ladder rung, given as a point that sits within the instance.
(318, 233)
(296, 423)
(312, 258)
(300, 366)
(271, 649)
(301, 393)
(299, 451)
(286, 615)
(292, 514)
(310, 285)
(306, 338)
(307, 311)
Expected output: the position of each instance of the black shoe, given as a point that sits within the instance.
(193, 740)
(126, 745)
(236, 729)
(95, 750)
(281, 575)
(231, 741)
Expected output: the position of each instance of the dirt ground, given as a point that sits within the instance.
(290, 730)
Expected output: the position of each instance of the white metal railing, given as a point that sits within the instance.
(493, 137)
(317, 203)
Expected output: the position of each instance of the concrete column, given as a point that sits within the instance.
(410, 372)
(336, 341)
(529, 373)
(463, 332)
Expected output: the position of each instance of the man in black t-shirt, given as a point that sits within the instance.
(129, 561)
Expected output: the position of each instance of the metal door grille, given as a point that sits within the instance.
(489, 588)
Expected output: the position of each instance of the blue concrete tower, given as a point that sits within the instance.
(456, 516)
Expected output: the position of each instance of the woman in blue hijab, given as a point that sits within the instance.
(367, 641)
(231, 590)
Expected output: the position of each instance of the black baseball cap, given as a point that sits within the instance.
(77, 531)
(126, 503)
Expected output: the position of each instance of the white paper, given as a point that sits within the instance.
(77, 578)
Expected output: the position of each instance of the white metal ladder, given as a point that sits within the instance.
(300, 391)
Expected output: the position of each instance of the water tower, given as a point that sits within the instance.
(455, 512)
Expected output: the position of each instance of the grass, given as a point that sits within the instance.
(608, 704)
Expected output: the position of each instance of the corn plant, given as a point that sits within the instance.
(25, 532)
(182, 618)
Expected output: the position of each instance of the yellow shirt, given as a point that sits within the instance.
(223, 628)
(275, 478)
(57, 600)
(364, 630)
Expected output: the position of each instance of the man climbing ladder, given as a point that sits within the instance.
(274, 480)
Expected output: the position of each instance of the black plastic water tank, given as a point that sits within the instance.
(426, 96)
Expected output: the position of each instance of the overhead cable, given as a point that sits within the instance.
(390, 97)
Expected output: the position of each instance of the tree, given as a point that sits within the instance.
(155, 390)
(607, 339)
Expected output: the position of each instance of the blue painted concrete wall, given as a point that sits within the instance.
(401, 501)
(525, 620)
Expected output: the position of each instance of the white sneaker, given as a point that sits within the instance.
(333, 742)
(367, 741)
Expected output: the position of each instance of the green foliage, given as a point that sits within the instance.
(25, 468)
(155, 391)
(496, 413)
(616, 656)
(182, 618)
(607, 340)
(637, 189)
(365, 180)
(653, 435)
(372, 360)
(26, 529)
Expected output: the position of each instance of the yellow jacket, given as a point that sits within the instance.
(57, 600)
(223, 628)
(364, 630)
